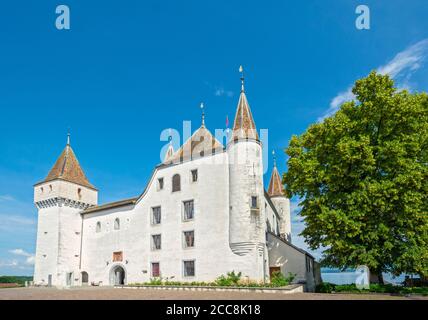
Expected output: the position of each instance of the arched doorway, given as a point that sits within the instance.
(117, 276)
(85, 278)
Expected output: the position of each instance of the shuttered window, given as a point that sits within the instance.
(189, 268)
(156, 242)
(189, 210)
(189, 239)
(156, 215)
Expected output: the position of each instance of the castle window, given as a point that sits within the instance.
(155, 269)
(98, 227)
(160, 183)
(117, 224)
(50, 187)
(117, 256)
(176, 184)
(79, 193)
(156, 215)
(189, 268)
(41, 189)
(254, 202)
(156, 242)
(189, 239)
(194, 175)
(189, 210)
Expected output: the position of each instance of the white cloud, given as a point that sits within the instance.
(20, 252)
(29, 257)
(6, 197)
(400, 68)
(9, 263)
(30, 260)
(15, 220)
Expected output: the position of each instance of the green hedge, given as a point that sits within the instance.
(232, 279)
(326, 287)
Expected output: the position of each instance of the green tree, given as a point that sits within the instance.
(363, 177)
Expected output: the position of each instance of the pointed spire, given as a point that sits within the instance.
(241, 70)
(244, 126)
(170, 151)
(203, 114)
(68, 137)
(275, 185)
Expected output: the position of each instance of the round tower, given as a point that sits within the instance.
(280, 201)
(59, 199)
(246, 191)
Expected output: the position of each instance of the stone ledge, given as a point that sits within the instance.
(294, 288)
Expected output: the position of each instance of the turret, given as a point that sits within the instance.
(246, 195)
(280, 201)
(60, 198)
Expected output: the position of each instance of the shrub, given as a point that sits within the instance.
(155, 281)
(278, 279)
(325, 287)
(232, 279)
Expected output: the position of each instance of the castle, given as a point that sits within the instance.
(204, 212)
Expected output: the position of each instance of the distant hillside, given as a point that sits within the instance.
(15, 279)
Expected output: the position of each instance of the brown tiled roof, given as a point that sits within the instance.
(67, 168)
(201, 143)
(244, 126)
(275, 185)
(111, 205)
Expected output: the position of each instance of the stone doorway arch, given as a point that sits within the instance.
(117, 275)
(85, 278)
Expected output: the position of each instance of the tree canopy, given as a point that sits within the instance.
(362, 175)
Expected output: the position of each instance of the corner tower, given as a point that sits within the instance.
(59, 199)
(280, 201)
(246, 192)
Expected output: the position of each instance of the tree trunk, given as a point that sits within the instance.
(376, 277)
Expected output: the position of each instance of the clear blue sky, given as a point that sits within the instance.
(127, 70)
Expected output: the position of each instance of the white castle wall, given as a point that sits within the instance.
(59, 229)
(291, 259)
(247, 226)
(211, 252)
(282, 204)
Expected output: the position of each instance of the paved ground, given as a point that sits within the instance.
(107, 293)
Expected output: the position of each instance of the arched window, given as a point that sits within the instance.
(176, 185)
(98, 228)
(116, 224)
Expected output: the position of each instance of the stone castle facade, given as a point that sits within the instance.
(204, 212)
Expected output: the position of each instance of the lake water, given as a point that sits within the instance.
(348, 277)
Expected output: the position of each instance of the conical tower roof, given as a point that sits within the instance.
(244, 126)
(169, 153)
(67, 168)
(275, 184)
